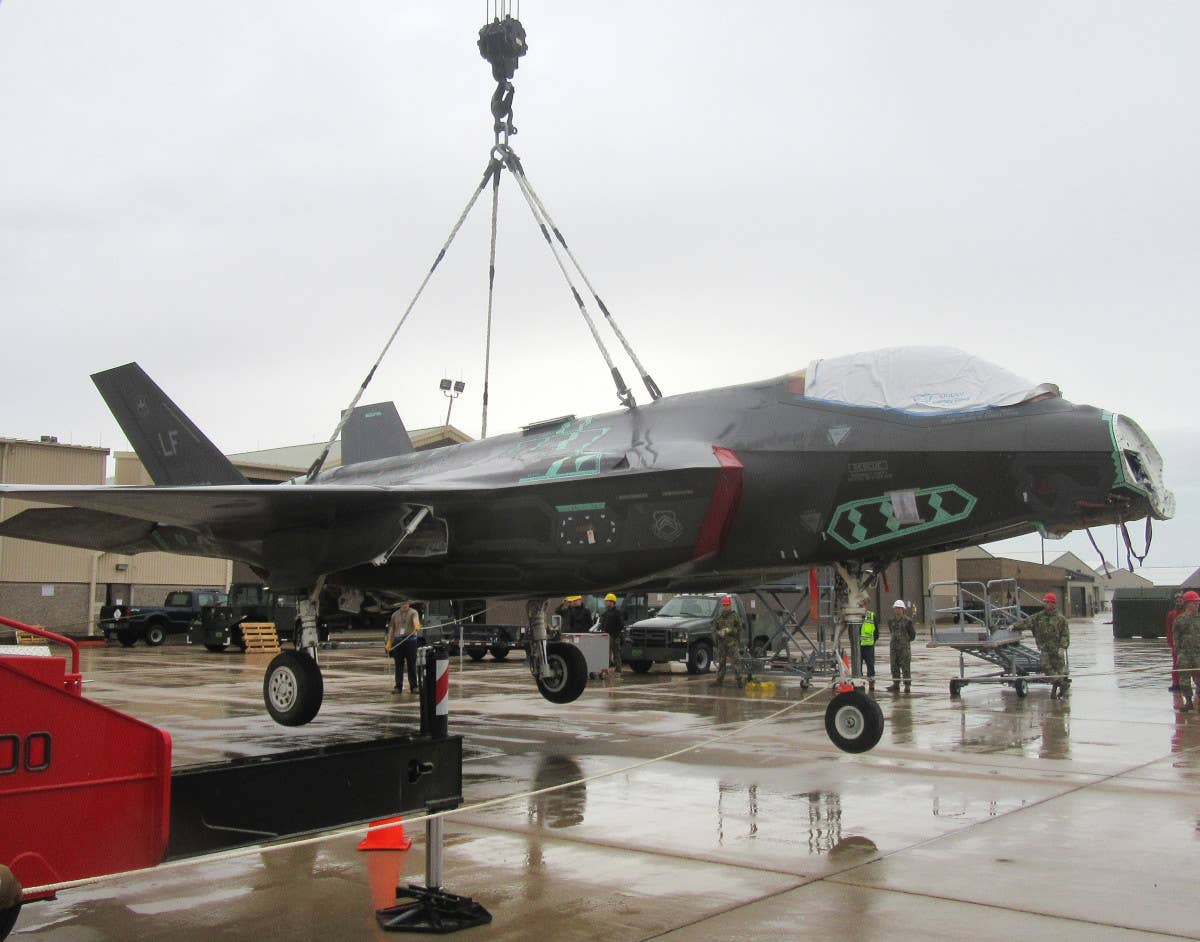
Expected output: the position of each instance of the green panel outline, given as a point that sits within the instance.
(941, 519)
(568, 508)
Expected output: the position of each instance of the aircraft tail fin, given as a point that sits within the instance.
(174, 451)
(372, 432)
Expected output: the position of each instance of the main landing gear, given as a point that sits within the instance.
(293, 688)
(559, 669)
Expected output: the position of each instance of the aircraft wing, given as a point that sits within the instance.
(326, 526)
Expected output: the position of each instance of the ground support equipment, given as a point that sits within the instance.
(983, 615)
(1020, 665)
(801, 641)
(430, 908)
(84, 790)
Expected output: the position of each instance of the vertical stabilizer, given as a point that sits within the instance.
(172, 449)
(373, 432)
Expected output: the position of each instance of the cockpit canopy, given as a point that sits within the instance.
(923, 380)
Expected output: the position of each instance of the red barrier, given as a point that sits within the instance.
(85, 790)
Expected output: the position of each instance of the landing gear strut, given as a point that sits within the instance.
(293, 688)
(559, 668)
(853, 720)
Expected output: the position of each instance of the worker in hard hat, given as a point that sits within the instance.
(1175, 612)
(901, 634)
(1187, 647)
(612, 622)
(579, 618)
(1053, 637)
(729, 634)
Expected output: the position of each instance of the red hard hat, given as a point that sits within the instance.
(1050, 597)
(726, 600)
(1190, 596)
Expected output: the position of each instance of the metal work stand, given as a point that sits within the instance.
(430, 908)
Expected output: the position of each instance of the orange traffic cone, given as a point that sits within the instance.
(381, 836)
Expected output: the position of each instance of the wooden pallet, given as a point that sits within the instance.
(25, 637)
(260, 637)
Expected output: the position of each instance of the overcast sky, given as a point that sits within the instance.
(244, 197)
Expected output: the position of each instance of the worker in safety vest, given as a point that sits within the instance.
(866, 647)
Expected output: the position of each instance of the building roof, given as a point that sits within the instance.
(299, 458)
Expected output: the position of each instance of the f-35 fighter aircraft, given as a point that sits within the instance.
(855, 461)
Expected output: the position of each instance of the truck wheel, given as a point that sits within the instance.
(215, 646)
(499, 651)
(854, 721)
(293, 688)
(699, 658)
(155, 635)
(1021, 688)
(568, 673)
(475, 654)
(641, 667)
(127, 636)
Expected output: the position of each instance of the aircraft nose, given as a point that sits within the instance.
(1139, 466)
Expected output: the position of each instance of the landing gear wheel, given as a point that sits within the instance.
(854, 721)
(955, 687)
(699, 658)
(155, 635)
(568, 673)
(499, 651)
(641, 667)
(215, 646)
(1021, 688)
(475, 654)
(293, 688)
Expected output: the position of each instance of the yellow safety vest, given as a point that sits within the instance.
(866, 637)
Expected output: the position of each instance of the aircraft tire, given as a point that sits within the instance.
(641, 667)
(699, 658)
(127, 637)
(499, 651)
(854, 721)
(155, 635)
(215, 646)
(293, 688)
(475, 654)
(568, 673)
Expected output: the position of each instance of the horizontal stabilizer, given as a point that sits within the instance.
(174, 451)
(373, 432)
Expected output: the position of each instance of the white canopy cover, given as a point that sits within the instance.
(924, 380)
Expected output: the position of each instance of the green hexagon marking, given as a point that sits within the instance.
(866, 522)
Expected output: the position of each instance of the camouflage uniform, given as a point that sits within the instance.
(1187, 652)
(902, 634)
(729, 632)
(1053, 637)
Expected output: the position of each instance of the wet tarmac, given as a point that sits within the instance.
(989, 816)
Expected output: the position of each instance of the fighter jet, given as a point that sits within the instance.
(854, 461)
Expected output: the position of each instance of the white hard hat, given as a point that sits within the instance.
(899, 603)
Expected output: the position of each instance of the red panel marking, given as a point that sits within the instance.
(814, 596)
(722, 506)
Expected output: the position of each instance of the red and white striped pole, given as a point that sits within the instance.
(435, 694)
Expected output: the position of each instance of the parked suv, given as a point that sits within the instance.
(682, 630)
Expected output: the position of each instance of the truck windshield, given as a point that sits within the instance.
(689, 606)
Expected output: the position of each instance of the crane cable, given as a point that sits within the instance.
(502, 43)
(314, 470)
